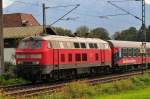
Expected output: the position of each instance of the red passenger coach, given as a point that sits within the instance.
(61, 56)
(128, 53)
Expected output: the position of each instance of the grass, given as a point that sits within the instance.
(125, 89)
(81, 90)
(134, 94)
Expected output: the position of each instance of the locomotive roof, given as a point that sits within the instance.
(133, 44)
(72, 39)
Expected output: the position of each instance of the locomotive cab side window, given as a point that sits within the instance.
(34, 44)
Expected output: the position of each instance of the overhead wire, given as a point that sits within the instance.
(81, 14)
(124, 10)
(59, 6)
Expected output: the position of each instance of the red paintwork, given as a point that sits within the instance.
(53, 56)
(129, 60)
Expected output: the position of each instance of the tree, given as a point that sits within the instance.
(61, 31)
(141, 35)
(148, 34)
(99, 33)
(82, 31)
(129, 34)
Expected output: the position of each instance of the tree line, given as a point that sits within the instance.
(130, 34)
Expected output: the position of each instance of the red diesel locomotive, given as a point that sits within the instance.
(58, 57)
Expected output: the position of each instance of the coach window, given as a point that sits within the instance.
(120, 53)
(84, 57)
(137, 52)
(134, 52)
(62, 58)
(148, 52)
(76, 45)
(125, 52)
(122, 50)
(91, 45)
(83, 45)
(70, 57)
(78, 57)
(130, 52)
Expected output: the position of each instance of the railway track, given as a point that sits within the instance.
(32, 90)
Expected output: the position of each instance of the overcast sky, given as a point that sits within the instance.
(86, 14)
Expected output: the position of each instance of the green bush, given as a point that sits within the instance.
(6, 80)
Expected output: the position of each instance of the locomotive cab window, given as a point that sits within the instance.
(76, 45)
(34, 44)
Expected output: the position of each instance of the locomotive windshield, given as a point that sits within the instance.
(33, 44)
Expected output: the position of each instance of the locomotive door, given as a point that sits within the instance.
(103, 54)
(56, 59)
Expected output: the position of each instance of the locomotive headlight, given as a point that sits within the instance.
(35, 63)
(37, 56)
(20, 56)
(19, 62)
